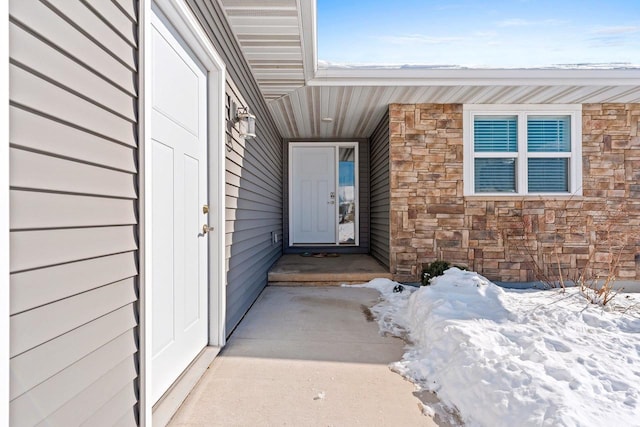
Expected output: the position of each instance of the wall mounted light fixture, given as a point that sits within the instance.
(247, 123)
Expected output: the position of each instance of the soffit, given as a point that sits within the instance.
(272, 40)
(357, 110)
(278, 38)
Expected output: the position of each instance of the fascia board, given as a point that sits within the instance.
(307, 18)
(484, 77)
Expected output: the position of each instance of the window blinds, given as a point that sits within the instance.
(495, 133)
(495, 175)
(548, 175)
(548, 134)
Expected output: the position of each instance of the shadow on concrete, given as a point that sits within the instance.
(306, 356)
(314, 323)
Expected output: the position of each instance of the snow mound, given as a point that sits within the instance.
(391, 313)
(516, 358)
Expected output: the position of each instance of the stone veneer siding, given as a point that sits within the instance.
(431, 219)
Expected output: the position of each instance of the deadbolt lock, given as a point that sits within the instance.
(205, 209)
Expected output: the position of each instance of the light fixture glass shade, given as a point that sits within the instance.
(247, 123)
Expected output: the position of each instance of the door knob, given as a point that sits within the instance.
(206, 229)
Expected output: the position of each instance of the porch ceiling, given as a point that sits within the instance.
(278, 38)
(357, 110)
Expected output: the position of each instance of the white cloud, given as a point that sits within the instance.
(513, 22)
(519, 22)
(420, 39)
(614, 36)
(619, 29)
(485, 34)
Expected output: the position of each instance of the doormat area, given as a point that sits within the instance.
(319, 254)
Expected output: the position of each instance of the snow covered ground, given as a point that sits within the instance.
(347, 232)
(502, 357)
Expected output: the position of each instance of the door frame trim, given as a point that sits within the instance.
(185, 23)
(336, 146)
(5, 249)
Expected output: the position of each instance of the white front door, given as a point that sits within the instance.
(179, 191)
(313, 195)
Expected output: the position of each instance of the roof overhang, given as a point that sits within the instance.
(279, 40)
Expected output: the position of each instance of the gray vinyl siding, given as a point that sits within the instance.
(253, 174)
(363, 199)
(380, 192)
(73, 220)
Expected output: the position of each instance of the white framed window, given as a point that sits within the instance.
(522, 150)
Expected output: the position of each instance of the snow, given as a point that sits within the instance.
(347, 232)
(502, 357)
(346, 193)
(331, 65)
(320, 396)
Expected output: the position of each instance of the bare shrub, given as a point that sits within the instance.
(574, 249)
(597, 282)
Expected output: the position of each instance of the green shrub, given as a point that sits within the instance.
(434, 269)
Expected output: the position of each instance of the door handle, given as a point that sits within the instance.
(206, 229)
(332, 202)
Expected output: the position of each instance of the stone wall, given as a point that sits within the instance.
(502, 237)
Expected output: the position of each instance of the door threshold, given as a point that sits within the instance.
(173, 398)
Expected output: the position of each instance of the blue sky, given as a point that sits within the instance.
(483, 34)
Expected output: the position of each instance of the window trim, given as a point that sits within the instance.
(522, 111)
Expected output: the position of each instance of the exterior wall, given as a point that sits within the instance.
(73, 219)
(363, 199)
(253, 174)
(431, 219)
(380, 192)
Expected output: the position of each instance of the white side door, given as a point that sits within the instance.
(179, 191)
(313, 187)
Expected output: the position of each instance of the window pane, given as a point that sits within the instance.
(346, 195)
(495, 133)
(549, 134)
(548, 175)
(495, 175)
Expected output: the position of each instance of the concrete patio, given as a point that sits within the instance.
(305, 357)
